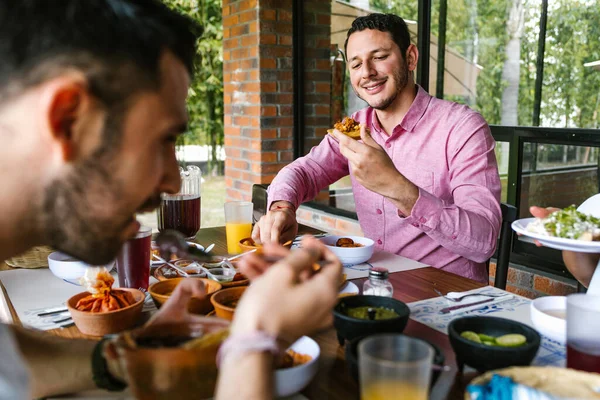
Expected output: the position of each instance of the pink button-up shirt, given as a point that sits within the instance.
(445, 149)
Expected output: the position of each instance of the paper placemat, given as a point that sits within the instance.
(393, 262)
(427, 312)
(32, 291)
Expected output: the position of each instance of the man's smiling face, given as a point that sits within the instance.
(378, 70)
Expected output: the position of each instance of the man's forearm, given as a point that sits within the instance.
(581, 265)
(403, 194)
(249, 376)
(57, 365)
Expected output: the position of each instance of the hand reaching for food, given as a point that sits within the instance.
(288, 299)
(279, 225)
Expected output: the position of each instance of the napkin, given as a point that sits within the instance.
(504, 388)
(469, 303)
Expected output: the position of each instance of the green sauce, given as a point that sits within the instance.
(363, 313)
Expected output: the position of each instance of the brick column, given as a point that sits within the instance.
(258, 87)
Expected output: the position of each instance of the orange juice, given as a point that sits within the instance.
(392, 390)
(237, 231)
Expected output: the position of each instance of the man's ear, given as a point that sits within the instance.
(64, 109)
(412, 57)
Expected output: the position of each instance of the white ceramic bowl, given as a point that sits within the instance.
(292, 380)
(549, 325)
(65, 267)
(351, 255)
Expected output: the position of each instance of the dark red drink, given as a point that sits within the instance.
(583, 361)
(133, 262)
(180, 212)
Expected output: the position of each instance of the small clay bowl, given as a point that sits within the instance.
(104, 323)
(161, 291)
(222, 299)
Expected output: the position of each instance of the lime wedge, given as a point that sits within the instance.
(470, 335)
(486, 338)
(511, 340)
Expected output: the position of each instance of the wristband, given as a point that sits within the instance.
(254, 342)
(102, 377)
(282, 207)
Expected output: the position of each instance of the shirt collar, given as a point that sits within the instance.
(413, 116)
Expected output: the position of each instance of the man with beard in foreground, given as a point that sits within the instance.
(92, 98)
(424, 175)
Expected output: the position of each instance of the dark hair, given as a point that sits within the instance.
(117, 44)
(385, 23)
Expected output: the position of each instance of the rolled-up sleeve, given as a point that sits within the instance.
(468, 225)
(302, 180)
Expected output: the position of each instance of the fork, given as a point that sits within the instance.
(457, 299)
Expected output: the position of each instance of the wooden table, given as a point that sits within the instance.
(333, 381)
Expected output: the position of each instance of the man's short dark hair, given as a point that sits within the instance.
(116, 44)
(385, 23)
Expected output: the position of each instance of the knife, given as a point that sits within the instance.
(460, 306)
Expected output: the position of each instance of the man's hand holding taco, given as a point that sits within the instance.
(373, 168)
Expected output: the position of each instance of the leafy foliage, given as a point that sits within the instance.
(476, 29)
(205, 99)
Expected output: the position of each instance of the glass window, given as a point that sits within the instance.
(492, 51)
(557, 175)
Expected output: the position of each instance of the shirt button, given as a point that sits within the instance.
(422, 220)
(379, 241)
(416, 225)
(379, 211)
(388, 145)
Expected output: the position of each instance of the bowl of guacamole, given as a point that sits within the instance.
(356, 316)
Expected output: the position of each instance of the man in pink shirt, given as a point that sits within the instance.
(424, 175)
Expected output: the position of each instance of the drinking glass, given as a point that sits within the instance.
(583, 332)
(238, 224)
(133, 261)
(394, 367)
(181, 211)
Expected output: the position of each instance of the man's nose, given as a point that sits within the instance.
(367, 70)
(171, 182)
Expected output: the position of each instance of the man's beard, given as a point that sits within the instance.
(81, 213)
(401, 80)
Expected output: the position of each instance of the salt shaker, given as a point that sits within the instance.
(378, 283)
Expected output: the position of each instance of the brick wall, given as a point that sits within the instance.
(258, 87)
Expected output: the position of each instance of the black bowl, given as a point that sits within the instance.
(352, 359)
(350, 328)
(485, 358)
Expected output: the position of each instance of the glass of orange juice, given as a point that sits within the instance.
(238, 224)
(394, 367)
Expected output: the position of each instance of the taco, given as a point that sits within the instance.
(348, 127)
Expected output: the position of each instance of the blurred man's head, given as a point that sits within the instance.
(380, 58)
(92, 98)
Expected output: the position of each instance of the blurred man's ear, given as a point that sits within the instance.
(73, 117)
(63, 111)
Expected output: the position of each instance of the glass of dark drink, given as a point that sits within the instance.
(181, 211)
(583, 332)
(133, 261)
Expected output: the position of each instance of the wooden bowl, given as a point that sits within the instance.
(221, 299)
(103, 323)
(161, 291)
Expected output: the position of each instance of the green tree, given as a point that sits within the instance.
(205, 100)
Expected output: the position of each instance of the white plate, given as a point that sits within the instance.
(350, 288)
(520, 226)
